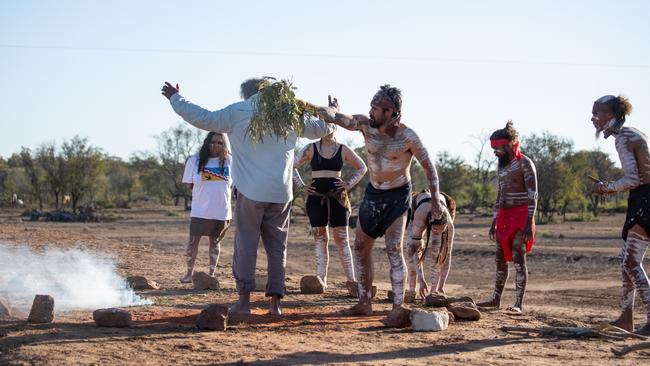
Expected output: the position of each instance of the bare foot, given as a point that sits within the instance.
(644, 330)
(492, 303)
(624, 321)
(514, 309)
(358, 309)
(274, 306)
(187, 278)
(241, 307)
(397, 318)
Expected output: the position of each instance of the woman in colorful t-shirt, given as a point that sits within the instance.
(207, 174)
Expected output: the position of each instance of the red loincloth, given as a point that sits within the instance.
(509, 221)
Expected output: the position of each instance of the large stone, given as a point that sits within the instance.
(141, 283)
(429, 321)
(464, 310)
(42, 309)
(213, 317)
(436, 300)
(312, 285)
(442, 300)
(5, 308)
(203, 281)
(398, 319)
(112, 317)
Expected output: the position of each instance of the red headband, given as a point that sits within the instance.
(500, 142)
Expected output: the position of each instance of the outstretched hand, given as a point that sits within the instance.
(168, 90)
(333, 102)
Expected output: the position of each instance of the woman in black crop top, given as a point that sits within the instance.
(326, 200)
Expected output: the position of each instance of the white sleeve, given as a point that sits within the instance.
(222, 120)
(188, 174)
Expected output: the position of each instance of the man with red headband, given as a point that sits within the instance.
(513, 227)
(390, 146)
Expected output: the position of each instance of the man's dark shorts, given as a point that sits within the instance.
(638, 209)
(380, 208)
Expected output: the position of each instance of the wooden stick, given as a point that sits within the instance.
(627, 349)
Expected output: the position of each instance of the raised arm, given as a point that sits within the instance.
(331, 114)
(222, 120)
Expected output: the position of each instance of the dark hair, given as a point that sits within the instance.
(620, 106)
(394, 94)
(250, 87)
(204, 153)
(509, 133)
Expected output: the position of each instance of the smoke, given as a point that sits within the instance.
(76, 279)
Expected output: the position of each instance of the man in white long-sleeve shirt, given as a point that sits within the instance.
(262, 174)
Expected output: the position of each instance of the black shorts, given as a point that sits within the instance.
(208, 227)
(380, 208)
(638, 209)
(320, 212)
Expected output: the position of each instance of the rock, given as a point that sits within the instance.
(464, 310)
(436, 300)
(203, 281)
(141, 283)
(213, 317)
(398, 319)
(442, 300)
(352, 287)
(355, 291)
(260, 283)
(409, 297)
(455, 299)
(312, 285)
(5, 308)
(429, 321)
(42, 309)
(112, 317)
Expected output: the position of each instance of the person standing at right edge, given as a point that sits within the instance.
(608, 117)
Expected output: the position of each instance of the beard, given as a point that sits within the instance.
(374, 123)
(504, 160)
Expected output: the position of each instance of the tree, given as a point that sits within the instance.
(84, 165)
(454, 175)
(54, 166)
(548, 152)
(175, 146)
(33, 172)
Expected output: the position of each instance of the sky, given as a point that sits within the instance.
(95, 69)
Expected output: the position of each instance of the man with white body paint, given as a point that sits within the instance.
(390, 146)
(608, 117)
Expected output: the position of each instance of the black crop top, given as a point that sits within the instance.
(335, 163)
